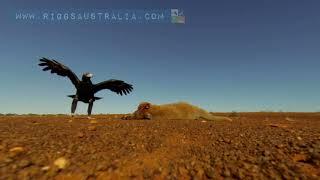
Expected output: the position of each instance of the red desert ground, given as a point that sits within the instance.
(262, 145)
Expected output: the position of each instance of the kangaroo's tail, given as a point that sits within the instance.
(210, 117)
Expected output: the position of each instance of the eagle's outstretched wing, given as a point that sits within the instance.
(117, 86)
(60, 69)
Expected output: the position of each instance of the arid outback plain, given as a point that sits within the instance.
(262, 145)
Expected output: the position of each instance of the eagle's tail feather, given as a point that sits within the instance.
(73, 96)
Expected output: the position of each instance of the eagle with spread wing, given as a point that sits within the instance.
(85, 88)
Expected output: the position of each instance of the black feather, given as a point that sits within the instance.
(59, 69)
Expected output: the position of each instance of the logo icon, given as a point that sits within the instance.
(177, 16)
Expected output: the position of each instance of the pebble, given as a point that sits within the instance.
(61, 163)
(7, 160)
(278, 125)
(33, 121)
(200, 173)
(266, 153)
(193, 163)
(92, 128)
(239, 174)
(228, 141)
(93, 121)
(45, 168)
(16, 151)
(24, 163)
(302, 145)
(209, 172)
(279, 146)
(299, 138)
(314, 155)
(80, 135)
(226, 173)
(183, 171)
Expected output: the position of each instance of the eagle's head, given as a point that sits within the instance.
(87, 76)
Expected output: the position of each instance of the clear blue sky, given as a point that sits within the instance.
(247, 55)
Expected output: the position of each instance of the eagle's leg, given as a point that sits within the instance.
(74, 105)
(90, 108)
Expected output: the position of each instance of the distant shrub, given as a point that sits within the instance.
(10, 114)
(234, 114)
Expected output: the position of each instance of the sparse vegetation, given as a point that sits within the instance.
(31, 114)
(11, 114)
(234, 114)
